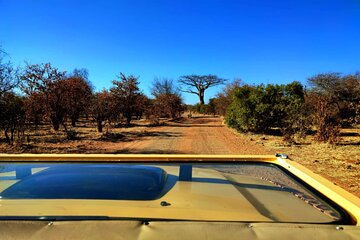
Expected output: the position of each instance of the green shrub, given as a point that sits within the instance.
(261, 108)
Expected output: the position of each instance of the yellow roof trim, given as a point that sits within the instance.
(133, 158)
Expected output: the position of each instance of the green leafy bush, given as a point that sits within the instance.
(261, 108)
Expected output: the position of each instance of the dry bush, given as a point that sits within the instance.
(102, 108)
(325, 118)
(127, 96)
(12, 117)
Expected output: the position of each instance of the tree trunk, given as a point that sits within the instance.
(56, 123)
(128, 117)
(128, 121)
(99, 126)
(201, 97)
(12, 131)
(73, 122)
(7, 137)
(65, 128)
(36, 121)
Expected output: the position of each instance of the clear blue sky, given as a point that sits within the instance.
(257, 41)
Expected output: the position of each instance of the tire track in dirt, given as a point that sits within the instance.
(205, 140)
(166, 144)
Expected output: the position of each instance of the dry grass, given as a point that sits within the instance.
(88, 140)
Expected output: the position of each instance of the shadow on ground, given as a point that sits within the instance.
(132, 136)
(145, 151)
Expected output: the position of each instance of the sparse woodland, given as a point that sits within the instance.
(39, 94)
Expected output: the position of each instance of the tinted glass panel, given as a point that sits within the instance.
(90, 181)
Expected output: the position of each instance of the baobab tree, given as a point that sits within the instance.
(197, 84)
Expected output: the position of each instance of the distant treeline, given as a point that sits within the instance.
(41, 93)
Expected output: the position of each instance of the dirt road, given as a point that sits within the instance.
(200, 135)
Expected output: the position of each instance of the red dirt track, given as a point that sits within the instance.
(199, 135)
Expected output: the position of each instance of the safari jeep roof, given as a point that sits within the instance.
(177, 196)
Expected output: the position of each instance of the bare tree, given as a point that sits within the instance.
(101, 108)
(8, 78)
(342, 92)
(163, 86)
(47, 81)
(168, 101)
(142, 103)
(12, 116)
(80, 73)
(126, 93)
(168, 105)
(197, 84)
(34, 108)
(77, 97)
(38, 77)
(325, 117)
